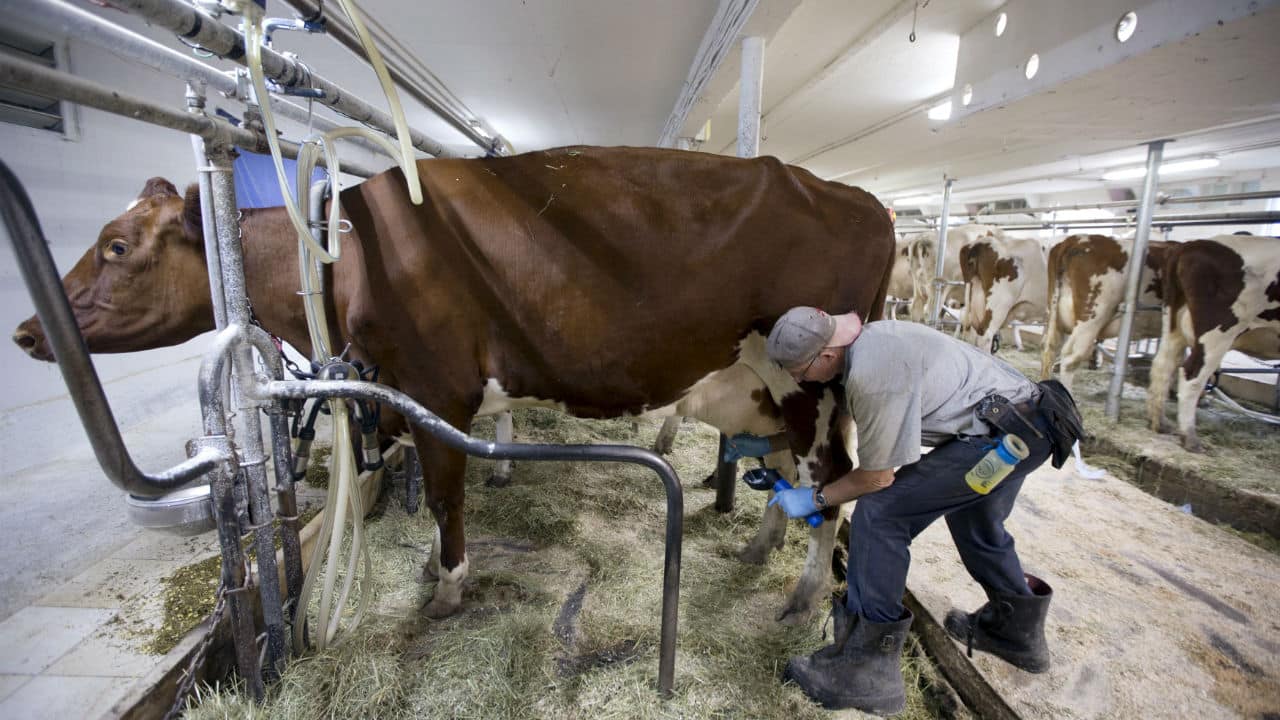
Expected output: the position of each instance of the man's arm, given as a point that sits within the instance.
(856, 483)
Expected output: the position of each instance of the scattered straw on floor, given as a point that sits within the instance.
(561, 617)
(1243, 453)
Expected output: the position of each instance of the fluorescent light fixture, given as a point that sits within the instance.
(941, 111)
(1033, 65)
(967, 96)
(916, 200)
(1002, 20)
(1165, 169)
(1189, 165)
(1125, 27)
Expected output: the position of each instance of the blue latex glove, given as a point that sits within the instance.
(796, 502)
(745, 445)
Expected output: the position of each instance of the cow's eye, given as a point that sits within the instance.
(118, 247)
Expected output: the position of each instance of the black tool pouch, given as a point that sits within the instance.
(1065, 424)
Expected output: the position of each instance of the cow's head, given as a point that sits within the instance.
(143, 282)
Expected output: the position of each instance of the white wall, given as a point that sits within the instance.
(76, 187)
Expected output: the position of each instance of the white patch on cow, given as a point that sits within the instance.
(448, 595)
(133, 204)
(1261, 262)
(496, 399)
(1022, 298)
(504, 432)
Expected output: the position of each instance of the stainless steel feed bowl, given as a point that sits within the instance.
(185, 512)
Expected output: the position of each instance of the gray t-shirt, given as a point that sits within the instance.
(909, 385)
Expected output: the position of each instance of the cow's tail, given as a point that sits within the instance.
(1056, 272)
(1171, 288)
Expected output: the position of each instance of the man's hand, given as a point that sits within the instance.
(796, 502)
(746, 445)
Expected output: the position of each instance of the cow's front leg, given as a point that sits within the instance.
(442, 474)
(815, 579)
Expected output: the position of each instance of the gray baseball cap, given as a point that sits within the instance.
(799, 335)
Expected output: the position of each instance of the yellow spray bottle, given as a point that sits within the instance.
(996, 464)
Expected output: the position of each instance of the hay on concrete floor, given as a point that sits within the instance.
(1243, 453)
(561, 616)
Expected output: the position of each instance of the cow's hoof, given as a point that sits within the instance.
(795, 613)
(497, 480)
(1193, 444)
(754, 554)
(438, 609)
(429, 574)
(662, 446)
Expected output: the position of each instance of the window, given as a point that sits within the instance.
(19, 107)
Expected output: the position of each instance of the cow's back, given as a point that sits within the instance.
(610, 279)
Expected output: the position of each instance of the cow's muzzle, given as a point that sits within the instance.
(31, 340)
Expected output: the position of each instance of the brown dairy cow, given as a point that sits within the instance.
(1086, 288)
(603, 281)
(1005, 280)
(1219, 294)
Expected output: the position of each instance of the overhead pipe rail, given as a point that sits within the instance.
(213, 454)
(62, 19)
(198, 28)
(931, 220)
(36, 78)
(337, 28)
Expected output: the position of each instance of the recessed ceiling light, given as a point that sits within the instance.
(1127, 24)
(941, 111)
(1001, 21)
(1033, 65)
(967, 96)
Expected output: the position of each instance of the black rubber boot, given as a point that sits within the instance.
(865, 674)
(1011, 627)
(842, 621)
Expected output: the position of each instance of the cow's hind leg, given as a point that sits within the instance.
(442, 471)
(1173, 345)
(667, 435)
(504, 432)
(1205, 359)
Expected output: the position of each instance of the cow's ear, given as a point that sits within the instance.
(157, 186)
(192, 220)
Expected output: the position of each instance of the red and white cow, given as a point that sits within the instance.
(1086, 286)
(1219, 294)
(921, 255)
(601, 281)
(1005, 280)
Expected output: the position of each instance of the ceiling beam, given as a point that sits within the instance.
(859, 43)
(720, 39)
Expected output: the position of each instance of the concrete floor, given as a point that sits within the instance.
(77, 580)
(1156, 613)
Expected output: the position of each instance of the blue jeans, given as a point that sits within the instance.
(885, 523)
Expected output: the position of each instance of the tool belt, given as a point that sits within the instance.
(1054, 403)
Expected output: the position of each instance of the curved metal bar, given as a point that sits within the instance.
(43, 283)
(458, 440)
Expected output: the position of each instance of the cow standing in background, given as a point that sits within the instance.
(921, 254)
(1005, 280)
(1086, 287)
(901, 286)
(1219, 294)
(602, 281)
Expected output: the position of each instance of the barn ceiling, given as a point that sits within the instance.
(845, 87)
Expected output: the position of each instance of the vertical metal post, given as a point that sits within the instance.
(1133, 277)
(252, 457)
(749, 103)
(940, 256)
(749, 97)
(195, 105)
